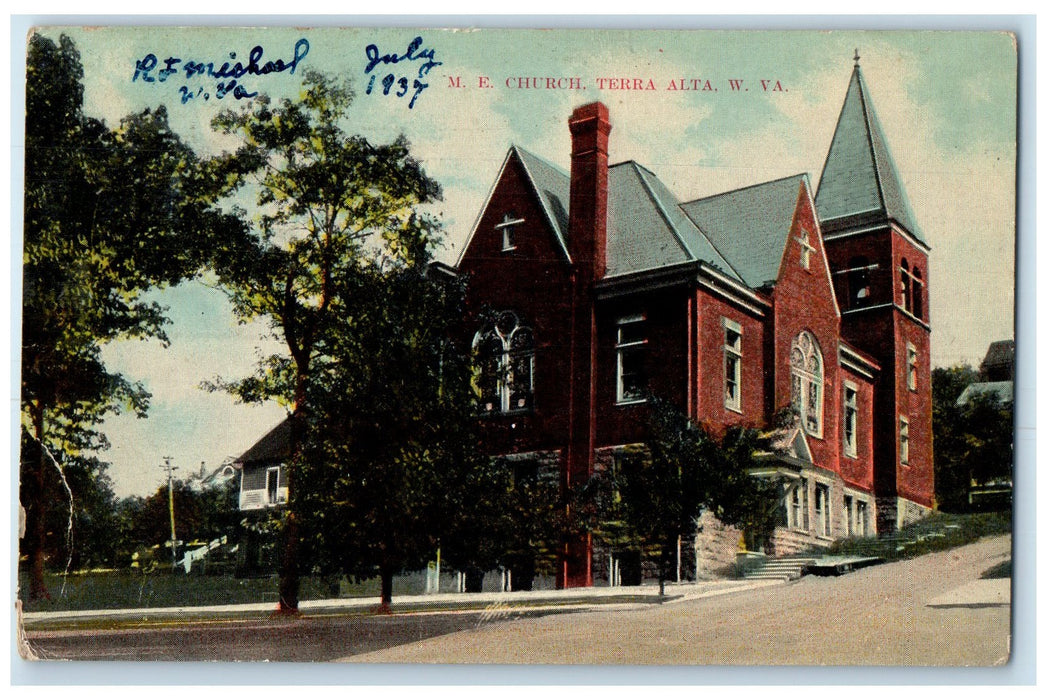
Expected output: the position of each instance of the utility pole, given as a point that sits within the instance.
(166, 466)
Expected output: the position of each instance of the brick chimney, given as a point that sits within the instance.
(587, 232)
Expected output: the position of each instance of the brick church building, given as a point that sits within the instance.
(590, 290)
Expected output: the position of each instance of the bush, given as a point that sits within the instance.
(937, 532)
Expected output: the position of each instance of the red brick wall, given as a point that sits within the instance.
(534, 281)
(665, 361)
(709, 362)
(857, 471)
(804, 301)
(916, 479)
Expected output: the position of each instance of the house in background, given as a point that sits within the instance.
(590, 290)
(263, 470)
(996, 373)
(205, 480)
(263, 486)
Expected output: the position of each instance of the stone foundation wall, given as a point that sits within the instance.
(909, 512)
(716, 547)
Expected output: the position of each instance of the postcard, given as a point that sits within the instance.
(506, 346)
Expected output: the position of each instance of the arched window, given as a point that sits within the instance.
(906, 286)
(858, 284)
(917, 293)
(504, 352)
(805, 361)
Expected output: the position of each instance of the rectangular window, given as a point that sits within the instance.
(848, 510)
(850, 419)
(631, 348)
(903, 440)
(732, 365)
(822, 516)
(861, 519)
(799, 519)
(272, 484)
(911, 361)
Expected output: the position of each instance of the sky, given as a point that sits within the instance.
(946, 101)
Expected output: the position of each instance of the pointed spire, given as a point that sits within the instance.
(860, 178)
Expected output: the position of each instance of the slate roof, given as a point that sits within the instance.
(750, 226)
(554, 190)
(646, 229)
(860, 176)
(272, 448)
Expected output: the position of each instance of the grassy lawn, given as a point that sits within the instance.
(122, 589)
(161, 589)
(934, 533)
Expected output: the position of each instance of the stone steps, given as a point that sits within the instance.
(780, 569)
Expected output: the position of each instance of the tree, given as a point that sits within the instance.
(326, 201)
(661, 489)
(109, 215)
(78, 535)
(973, 442)
(512, 514)
(392, 467)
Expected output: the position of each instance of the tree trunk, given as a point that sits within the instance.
(387, 587)
(36, 513)
(289, 574)
(289, 578)
(474, 580)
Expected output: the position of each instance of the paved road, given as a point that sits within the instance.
(878, 615)
(875, 616)
(306, 639)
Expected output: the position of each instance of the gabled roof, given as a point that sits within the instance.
(750, 226)
(549, 183)
(860, 177)
(272, 448)
(554, 190)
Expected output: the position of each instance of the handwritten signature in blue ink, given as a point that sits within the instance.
(228, 73)
(414, 52)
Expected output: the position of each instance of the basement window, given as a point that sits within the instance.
(798, 516)
(822, 513)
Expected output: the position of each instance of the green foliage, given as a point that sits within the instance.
(659, 490)
(972, 443)
(109, 215)
(337, 260)
(81, 521)
(202, 515)
(512, 514)
(391, 464)
(937, 532)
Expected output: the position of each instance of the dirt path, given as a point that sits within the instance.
(875, 616)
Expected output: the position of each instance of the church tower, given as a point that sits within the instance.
(879, 259)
